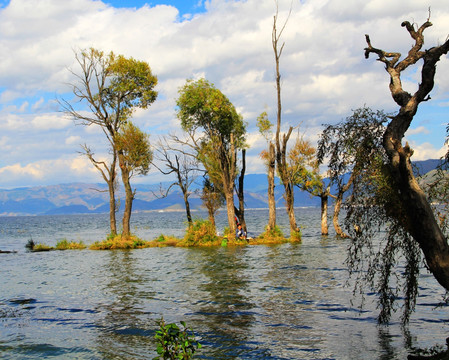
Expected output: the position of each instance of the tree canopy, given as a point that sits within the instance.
(205, 111)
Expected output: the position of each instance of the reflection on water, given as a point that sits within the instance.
(255, 302)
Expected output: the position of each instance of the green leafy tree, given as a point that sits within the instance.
(135, 156)
(202, 107)
(112, 87)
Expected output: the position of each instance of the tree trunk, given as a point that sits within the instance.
(112, 208)
(185, 193)
(229, 196)
(324, 204)
(289, 201)
(337, 208)
(129, 197)
(421, 222)
(240, 193)
(186, 202)
(228, 158)
(271, 198)
(211, 214)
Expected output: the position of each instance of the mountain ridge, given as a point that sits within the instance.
(85, 198)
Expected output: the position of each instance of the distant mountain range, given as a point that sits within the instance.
(81, 198)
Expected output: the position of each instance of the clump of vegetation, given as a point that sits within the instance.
(201, 232)
(175, 342)
(295, 235)
(120, 242)
(30, 244)
(64, 244)
(271, 236)
(42, 247)
(163, 240)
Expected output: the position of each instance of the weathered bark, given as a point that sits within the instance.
(112, 209)
(271, 198)
(324, 196)
(337, 206)
(420, 221)
(240, 194)
(228, 163)
(187, 205)
(129, 197)
(289, 200)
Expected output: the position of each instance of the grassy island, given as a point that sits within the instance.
(200, 233)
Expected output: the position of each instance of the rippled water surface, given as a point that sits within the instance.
(255, 302)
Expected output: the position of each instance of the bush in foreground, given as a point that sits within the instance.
(175, 342)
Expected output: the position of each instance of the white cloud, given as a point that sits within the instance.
(426, 151)
(73, 140)
(418, 130)
(50, 122)
(17, 170)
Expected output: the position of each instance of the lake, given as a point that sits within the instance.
(286, 301)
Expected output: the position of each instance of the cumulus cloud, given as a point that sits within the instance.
(17, 170)
(324, 73)
(426, 151)
(50, 122)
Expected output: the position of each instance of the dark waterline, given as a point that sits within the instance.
(256, 302)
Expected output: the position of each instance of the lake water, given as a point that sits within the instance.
(255, 302)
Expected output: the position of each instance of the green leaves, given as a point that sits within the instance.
(134, 146)
(202, 106)
(174, 342)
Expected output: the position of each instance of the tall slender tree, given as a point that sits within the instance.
(203, 107)
(112, 87)
(281, 146)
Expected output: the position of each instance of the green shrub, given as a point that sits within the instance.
(42, 247)
(64, 244)
(174, 342)
(274, 234)
(200, 232)
(161, 238)
(119, 242)
(295, 235)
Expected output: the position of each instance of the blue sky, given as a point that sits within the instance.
(324, 72)
(185, 7)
